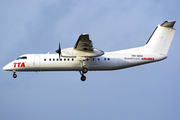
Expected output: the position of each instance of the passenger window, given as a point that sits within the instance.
(49, 59)
(64, 59)
(68, 59)
(44, 59)
(98, 59)
(108, 58)
(104, 58)
(53, 59)
(57, 59)
(60, 59)
(72, 59)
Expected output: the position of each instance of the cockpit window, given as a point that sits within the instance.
(23, 57)
(18, 58)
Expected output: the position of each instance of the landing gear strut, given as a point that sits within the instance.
(14, 74)
(84, 70)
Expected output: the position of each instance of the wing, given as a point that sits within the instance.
(83, 49)
(84, 43)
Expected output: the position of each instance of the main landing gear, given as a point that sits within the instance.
(14, 74)
(84, 70)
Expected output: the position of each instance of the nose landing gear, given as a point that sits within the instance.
(14, 74)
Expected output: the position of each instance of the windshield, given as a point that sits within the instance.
(23, 57)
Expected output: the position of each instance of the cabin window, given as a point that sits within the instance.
(93, 59)
(104, 58)
(98, 59)
(53, 59)
(108, 58)
(72, 59)
(68, 59)
(57, 59)
(64, 59)
(44, 59)
(49, 59)
(60, 59)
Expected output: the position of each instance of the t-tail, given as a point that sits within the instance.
(161, 39)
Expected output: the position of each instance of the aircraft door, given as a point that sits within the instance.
(36, 61)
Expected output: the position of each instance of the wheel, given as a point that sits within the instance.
(85, 70)
(83, 78)
(14, 75)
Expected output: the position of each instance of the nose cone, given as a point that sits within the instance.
(8, 67)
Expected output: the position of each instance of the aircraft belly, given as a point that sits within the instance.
(101, 65)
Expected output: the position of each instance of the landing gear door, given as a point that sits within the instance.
(36, 61)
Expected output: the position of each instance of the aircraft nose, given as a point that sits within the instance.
(8, 67)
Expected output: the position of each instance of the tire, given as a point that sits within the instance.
(83, 78)
(14, 76)
(85, 70)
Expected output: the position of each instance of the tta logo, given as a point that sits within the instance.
(19, 64)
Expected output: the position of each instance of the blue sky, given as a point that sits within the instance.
(37, 26)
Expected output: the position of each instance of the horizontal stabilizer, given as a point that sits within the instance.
(168, 24)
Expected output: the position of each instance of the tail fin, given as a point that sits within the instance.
(161, 38)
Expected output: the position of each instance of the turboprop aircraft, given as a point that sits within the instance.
(83, 57)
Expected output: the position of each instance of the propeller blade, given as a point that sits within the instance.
(59, 50)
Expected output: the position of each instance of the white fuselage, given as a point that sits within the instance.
(108, 61)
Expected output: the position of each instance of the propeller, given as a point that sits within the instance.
(59, 51)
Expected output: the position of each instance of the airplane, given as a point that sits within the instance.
(83, 57)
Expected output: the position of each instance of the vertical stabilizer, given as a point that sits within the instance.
(161, 39)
